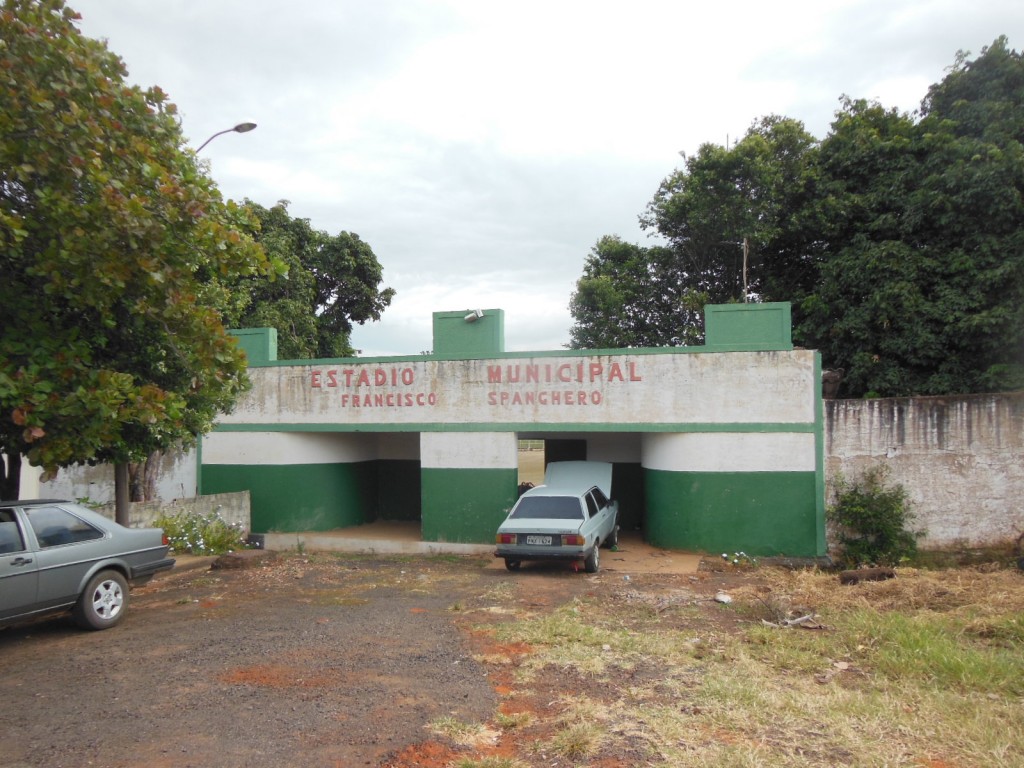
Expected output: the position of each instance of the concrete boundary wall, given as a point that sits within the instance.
(960, 458)
(233, 508)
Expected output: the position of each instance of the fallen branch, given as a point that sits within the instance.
(810, 621)
(866, 574)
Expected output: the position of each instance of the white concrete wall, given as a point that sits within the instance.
(961, 459)
(469, 450)
(673, 388)
(284, 448)
(176, 479)
(730, 452)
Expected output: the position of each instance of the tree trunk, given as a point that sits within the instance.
(121, 497)
(142, 476)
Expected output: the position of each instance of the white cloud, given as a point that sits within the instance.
(482, 149)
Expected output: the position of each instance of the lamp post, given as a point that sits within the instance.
(240, 128)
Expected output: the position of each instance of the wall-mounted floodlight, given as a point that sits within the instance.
(473, 316)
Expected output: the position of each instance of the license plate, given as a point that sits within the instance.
(543, 540)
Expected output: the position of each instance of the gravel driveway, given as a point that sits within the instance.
(309, 661)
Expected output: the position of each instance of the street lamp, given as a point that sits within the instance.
(240, 128)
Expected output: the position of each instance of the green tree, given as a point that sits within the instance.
(115, 251)
(898, 238)
(923, 288)
(629, 296)
(333, 282)
(755, 192)
(726, 206)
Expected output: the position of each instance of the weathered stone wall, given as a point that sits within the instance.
(233, 508)
(176, 479)
(960, 458)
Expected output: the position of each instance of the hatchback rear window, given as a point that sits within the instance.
(53, 527)
(548, 508)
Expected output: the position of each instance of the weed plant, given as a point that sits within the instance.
(873, 520)
(201, 534)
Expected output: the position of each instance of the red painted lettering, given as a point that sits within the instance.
(314, 378)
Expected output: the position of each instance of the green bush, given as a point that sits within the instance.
(201, 535)
(872, 520)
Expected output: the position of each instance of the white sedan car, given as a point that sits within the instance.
(570, 517)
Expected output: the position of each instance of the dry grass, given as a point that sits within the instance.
(924, 670)
(972, 590)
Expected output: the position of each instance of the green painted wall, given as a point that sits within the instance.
(300, 497)
(398, 489)
(456, 338)
(748, 326)
(466, 505)
(259, 344)
(760, 513)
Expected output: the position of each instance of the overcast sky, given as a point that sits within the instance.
(482, 149)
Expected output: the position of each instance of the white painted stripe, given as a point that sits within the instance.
(729, 452)
(469, 450)
(278, 448)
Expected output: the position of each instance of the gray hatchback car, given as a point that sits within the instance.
(58, 556)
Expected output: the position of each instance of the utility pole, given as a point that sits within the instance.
(746, 253)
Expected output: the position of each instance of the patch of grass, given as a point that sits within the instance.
(923, 669)
(508, 722)
(577, 742)
(937, 651)
(490, 762)
(465, 734)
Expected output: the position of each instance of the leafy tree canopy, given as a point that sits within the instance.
(898, 238)
(751, 195)
(630, 296)
(332, 283)
(115, 250)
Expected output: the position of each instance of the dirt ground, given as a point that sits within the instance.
(310, 660)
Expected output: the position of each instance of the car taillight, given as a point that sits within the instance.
(573, 540)
(506, 538)
(166, 541)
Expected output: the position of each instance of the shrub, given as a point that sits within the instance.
(201, 535)
(872, 520)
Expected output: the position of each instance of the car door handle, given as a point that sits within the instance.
(21, 561)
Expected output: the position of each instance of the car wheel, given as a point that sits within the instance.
(613, 537)
(593, 560)
(512, 565)
(103, 602)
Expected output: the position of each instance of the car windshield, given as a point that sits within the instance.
(548, 508)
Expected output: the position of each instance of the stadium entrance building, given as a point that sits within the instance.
(716, 448)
